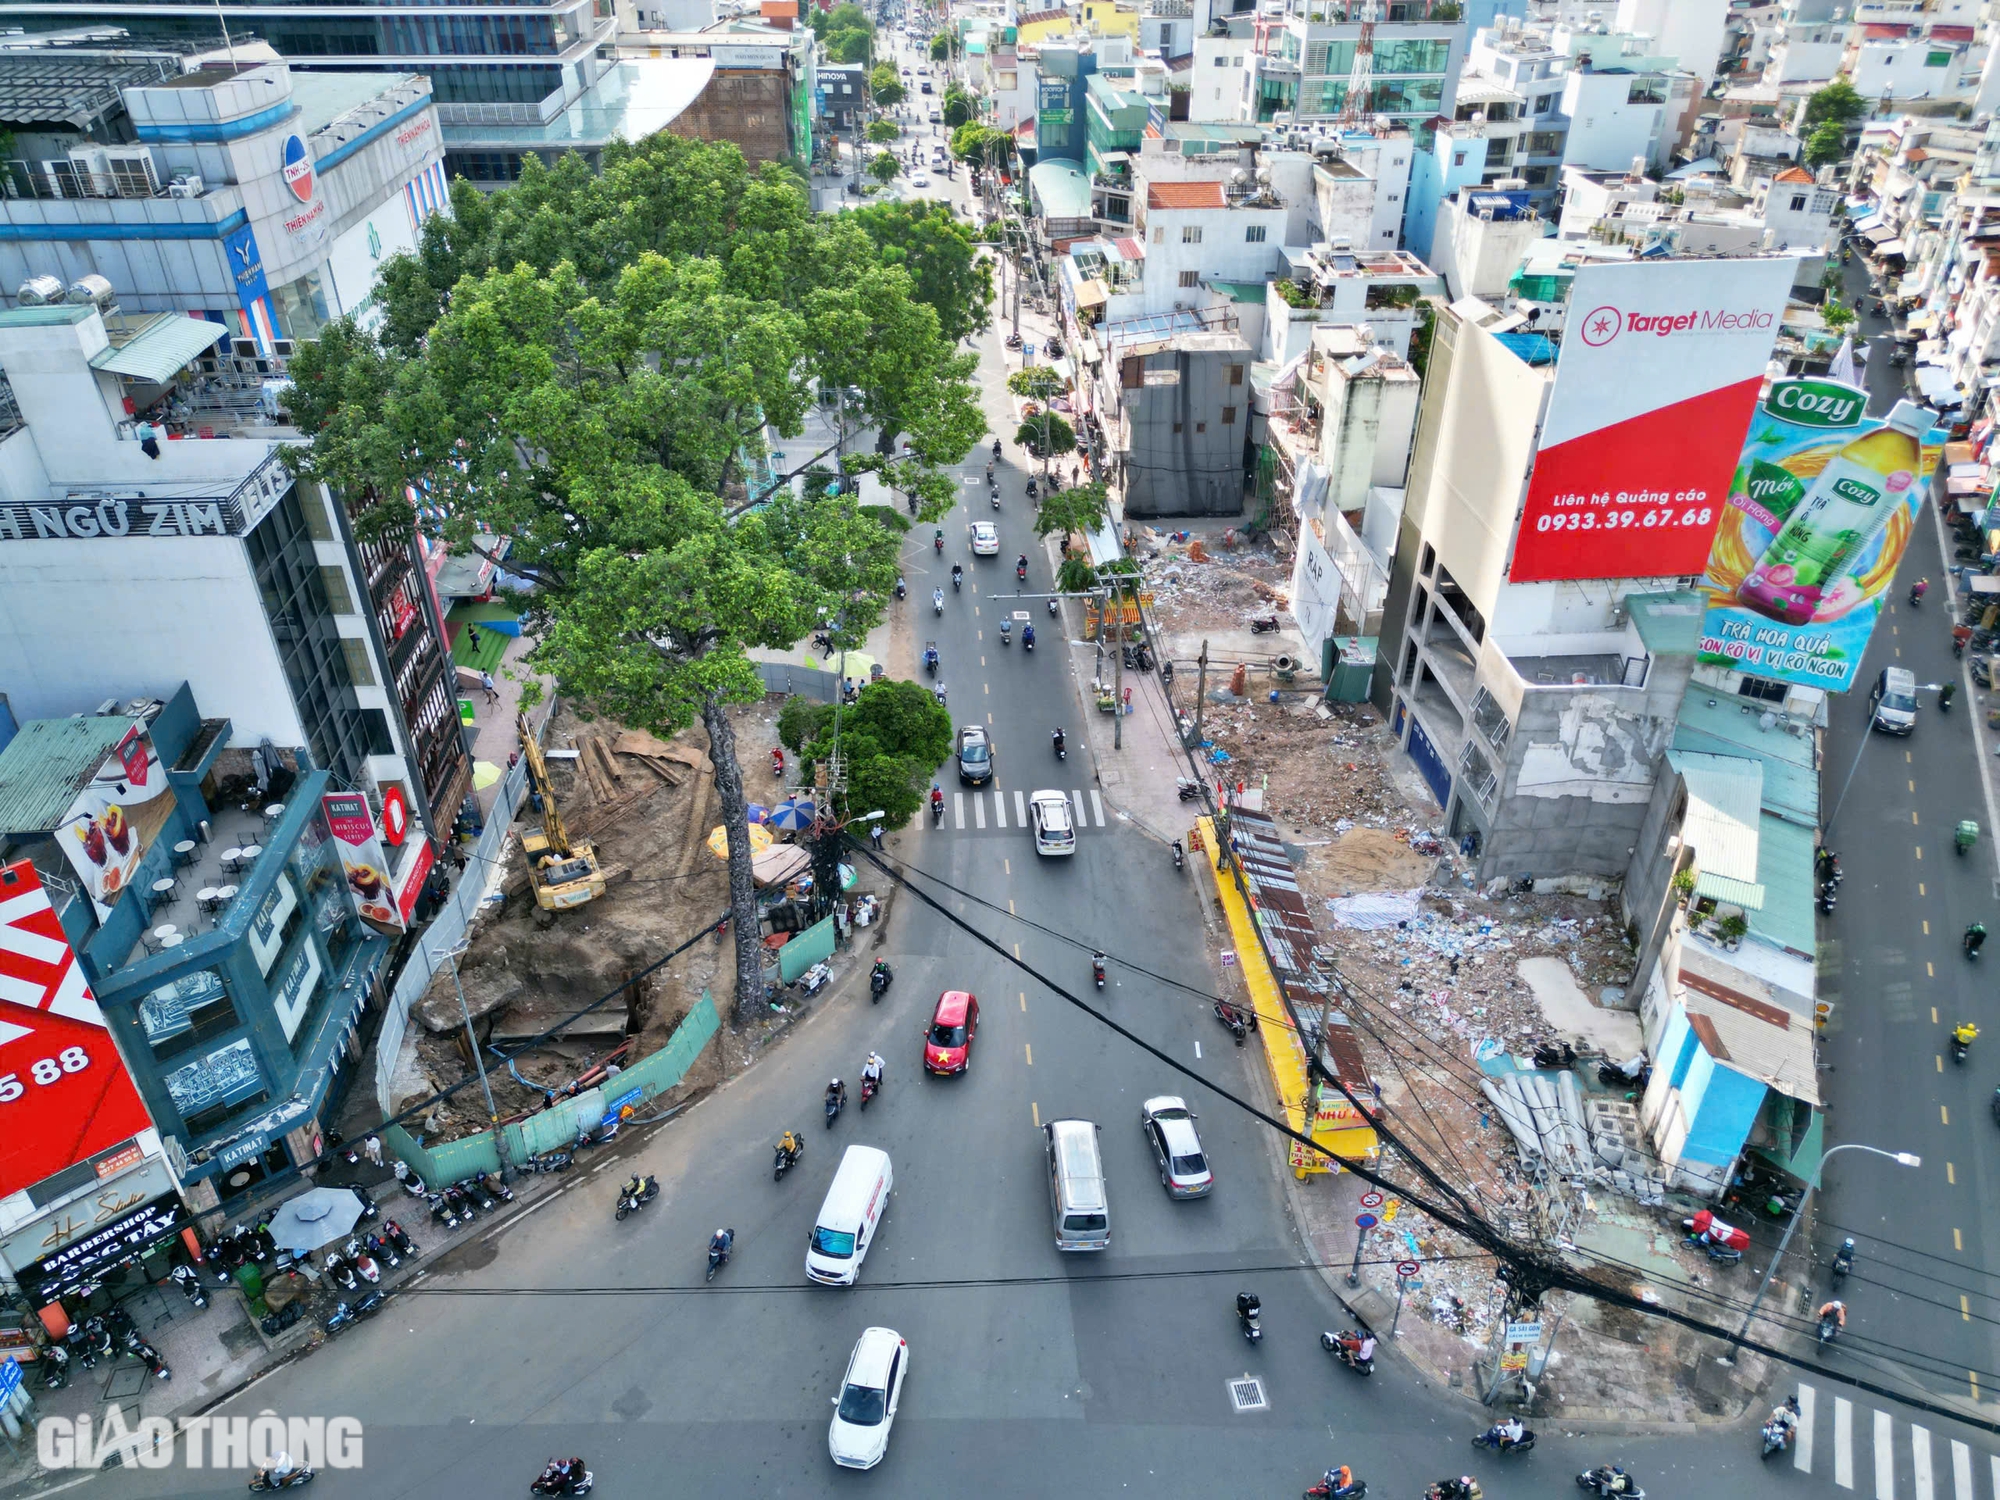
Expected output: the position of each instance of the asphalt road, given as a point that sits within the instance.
(1892, 951)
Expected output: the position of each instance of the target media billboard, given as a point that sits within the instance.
(1660, 367)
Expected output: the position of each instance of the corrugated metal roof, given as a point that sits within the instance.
(1785, 870)
(48, 763)
(1720, 724)
(1669, 624)
(1753, 1036)
(162, 349)
(1724, 802)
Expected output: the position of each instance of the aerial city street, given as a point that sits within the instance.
(765, 749)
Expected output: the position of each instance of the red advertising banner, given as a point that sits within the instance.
(410, 879)
(64, 1092)
(1659, 373)
(361, 858)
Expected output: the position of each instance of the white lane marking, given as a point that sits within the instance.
(958, 809)
(1996, 1473)
(978, 810)
(1077, 798)
(1197, 1051)
(1920, 1461)
(1843, 1442)
(1802, 1451)
(1097, 807)
(1885, 1457)
(1020, 807)
(999, 808)
(1961, 1470)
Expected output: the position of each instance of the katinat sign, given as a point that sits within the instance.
(64, 1092)
(1660, 368)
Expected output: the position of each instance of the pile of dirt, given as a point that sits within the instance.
(1204, 583)
(649, 807)
(1320, 766)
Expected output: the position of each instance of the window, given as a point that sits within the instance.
(1228, 416)
(1543, 102)
(1760, 690)
(1159, 236)
(1190, 278)
(358, 665)
(1394, 196)
(1798, 202)
(1545, 143)
(1222, 62)
(1458, 158)
(186, 1012)
(1254, 235)
(1236, 374)
(334, 580)
(314, 510)
(210, 1089)
(1190, 234)
(1201, 427)
(1177, 427)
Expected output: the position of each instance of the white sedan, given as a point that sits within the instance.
(1169, 1127)
(985, 539)
(920, 181)
(866, 1405)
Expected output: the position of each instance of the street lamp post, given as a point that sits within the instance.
(478, 1062)
(1901, 1158)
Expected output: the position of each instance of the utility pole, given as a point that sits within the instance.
(1200, 688)
(479, 1063)
(1118, 671)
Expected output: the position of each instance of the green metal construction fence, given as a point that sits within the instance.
(453, 1161)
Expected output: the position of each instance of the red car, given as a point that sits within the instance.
(948, 1039)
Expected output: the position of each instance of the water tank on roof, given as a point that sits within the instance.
(40, 291)
(92, 290)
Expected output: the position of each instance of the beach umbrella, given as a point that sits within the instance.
(793, 816)
(760, 840)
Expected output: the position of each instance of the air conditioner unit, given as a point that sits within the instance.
(186, 187)
(281, 348)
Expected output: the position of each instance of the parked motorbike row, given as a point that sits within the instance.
(101, 1338)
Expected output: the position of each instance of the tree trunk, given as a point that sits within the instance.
(742, 886)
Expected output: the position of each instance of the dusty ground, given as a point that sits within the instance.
(664, 886)
(1205, 584)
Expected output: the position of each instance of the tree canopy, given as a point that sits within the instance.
(891, 742)
(1046, 435)
(959, 106)
(982, 144)
(881, 132)
(1837, 101)
(885, 87)
(1081, 507)
(590, 367)
(946, 273)
(884, 167)
(1827, 144)
(941, 46)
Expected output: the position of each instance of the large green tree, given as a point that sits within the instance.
(885, 87)
(982, 145)
(884, 167)
(1837, 101)
(606, 414)
(1827, 144)
(947, 274)
(959, 107)
(890, 741)
(1081, 507)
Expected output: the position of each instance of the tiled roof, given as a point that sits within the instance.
(1185, 195)
(1036, 17)
(1794, 174)
(48, 763)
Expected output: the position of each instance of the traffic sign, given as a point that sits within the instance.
(1408, 1268)
(1371, 1200)
(10, 1376)
(1524, 1333)
(1365, 1222)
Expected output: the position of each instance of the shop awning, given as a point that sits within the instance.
(162, 349)
(1921, 322)
(1092, 293)
(1937, 387)
(1872, 221)
(1892, 247)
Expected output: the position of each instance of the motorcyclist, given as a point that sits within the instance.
(1965, 1034)
(1338, 1482)
(937, 798)
(1455, 1489)
(1057, 738)
(871, 1070)
(1834, 1309)
(636, 1186)
(281, 1469)
(937, 598)
(1248, 1305)
(1946, 693)
(1787, 1417)
(1975, 937)
(789, 1144)
(1027, 635)
(1918, 589)
(957, 574)
(1611, 1479)
(720, 1241)
(937, 541)
(1021, 563)
(836, 1092)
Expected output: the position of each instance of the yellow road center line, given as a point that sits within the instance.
(1950, 1174)
(1030, 1051)
(1035, 1110)
(1957, 1240)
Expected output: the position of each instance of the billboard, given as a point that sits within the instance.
(64, 1092)
(114, 820)
(362, 860)
(1660, 366)
(1823, 502)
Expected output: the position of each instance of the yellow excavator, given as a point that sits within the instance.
(564, 874)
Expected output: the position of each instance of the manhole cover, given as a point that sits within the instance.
(1246, 1393)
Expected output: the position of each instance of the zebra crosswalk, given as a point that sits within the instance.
(1001, 808)
(1919, 1465)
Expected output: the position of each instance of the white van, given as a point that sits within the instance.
(1076, 1186)
(850, 1216)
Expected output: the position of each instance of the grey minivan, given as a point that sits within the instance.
(1893, 700)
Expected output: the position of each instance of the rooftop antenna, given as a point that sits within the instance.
(1361, 80)
(227, 45)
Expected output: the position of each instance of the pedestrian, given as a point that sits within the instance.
(492, 692)
(372, 1149)
(149, 439)
(472, 635)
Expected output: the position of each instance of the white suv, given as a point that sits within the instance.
(1055, 833)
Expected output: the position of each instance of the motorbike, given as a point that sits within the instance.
(1826, 901)
(551, 1483)
(1490, 1439)
(1333, 1344)
(931, 659)
(147, 1355)
(475, 1189)
(442, 1212)
(548, 1161)
(902, 589)
(1358, 1490)
(340, 1272)
(718, 1251)
(1180, 856)
(369, 1210)
(1249, 1316)
(1603, 1477)
(1829, 1327)
(1052, 608)
(1554, 1055)
(491, 1185)
(937, 808)
(937, 543)
(833, 1104)
(363, 1263)
(1097, 970)
(1266, 626)
(383, 1252)
(778, 756)
(938, 692)
(994, 495)
(957, 577)
(264, 1479)
(1237, 1020)
(937, 601)
(631, 1199)
(1965, 835)
(1777, 1437)
(399, 1237)
(879, 979)
(1006, 632)
(412, 1183)
(346, 1314)
(1013, 341)
(996, 441)
(461, 1202)
(870, 1087)
(1032, 491)
(189, 1281)
(1056, 743)
(55, 1367)
(1028, 638)
(1185, 789)
(1021, 571)
(1916, 594)
(92, 1340)
(1960, 1048)
(782, 1161)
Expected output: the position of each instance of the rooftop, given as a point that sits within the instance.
(48, 763)
(1756, 1036)
(1717, 723)
(1724, 797)
(75, 89)
(1185, 195)
(633, 99)
(1669, 624)
(1063, 189)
